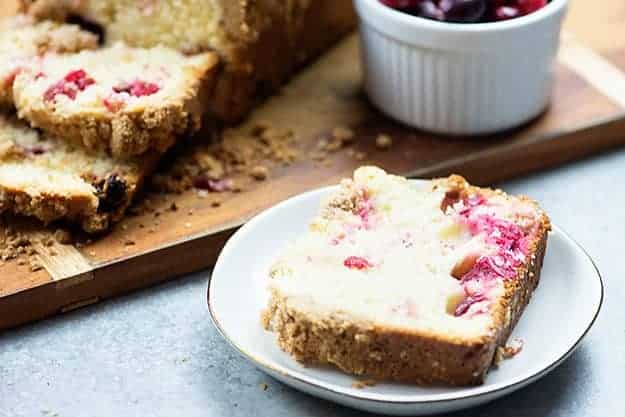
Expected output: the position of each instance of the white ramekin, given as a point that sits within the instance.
(454, 78)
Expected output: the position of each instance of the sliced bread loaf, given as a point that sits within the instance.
(261, 42)
(122, 100)
(414, 283)
(52, 179)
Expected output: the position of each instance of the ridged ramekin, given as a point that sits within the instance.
(460, 79)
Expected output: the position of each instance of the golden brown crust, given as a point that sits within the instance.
(518, 292)
(122, 135)
(362, 348)
(46, 208)
(376, 352)
(90, 212)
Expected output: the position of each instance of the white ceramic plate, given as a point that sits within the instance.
(237, 295)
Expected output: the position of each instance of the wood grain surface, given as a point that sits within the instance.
(586, 116)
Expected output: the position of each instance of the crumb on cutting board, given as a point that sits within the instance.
(259, 172)
(383, 142)
(24, 245)
(225, 165)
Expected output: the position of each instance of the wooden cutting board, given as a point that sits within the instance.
(587, 116)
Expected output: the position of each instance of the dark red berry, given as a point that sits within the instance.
(467, 11)
(466, 304)
(202, 182)
(112, 193)
(463, 11)
(530, 6)
(401, 4)
(357, 262)
(137, 88)
(506, 12)
(80, 79)
(113, 104)
(60, 87)
(69, 86)
(430, 10)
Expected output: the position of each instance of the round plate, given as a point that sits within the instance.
(237, 294)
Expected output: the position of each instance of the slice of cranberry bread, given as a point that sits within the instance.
(262, 41)
(51, 179)
(419, 283)
(23, 41)
(119, 99)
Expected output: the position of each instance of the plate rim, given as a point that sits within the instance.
(329, 388)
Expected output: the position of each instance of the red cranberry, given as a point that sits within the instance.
(137, 88)
(357, 262)
(467, 11)
(69, 86)
(113, 104)
(202, 182)
(530, 6)
(463, 11)
(80, 79)
(60, 87)
(466, 304)
(401, 4)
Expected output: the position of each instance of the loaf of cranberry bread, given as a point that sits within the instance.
(261, 41)
(419, 283)
(52, 179)
(23, 41)
(118, 99)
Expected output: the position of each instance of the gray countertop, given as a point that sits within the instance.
(156, 353)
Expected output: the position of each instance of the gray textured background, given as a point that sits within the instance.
(155, 352)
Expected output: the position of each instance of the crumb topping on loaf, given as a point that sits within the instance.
(429, 258)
